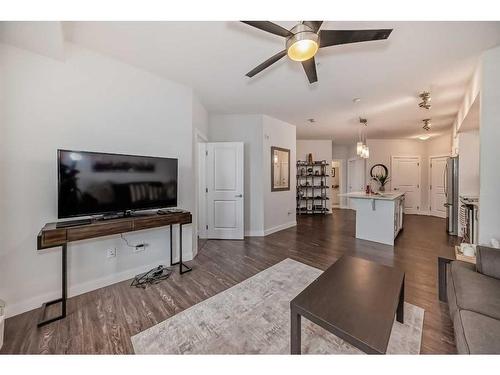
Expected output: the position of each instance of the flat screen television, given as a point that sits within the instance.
(92, 183)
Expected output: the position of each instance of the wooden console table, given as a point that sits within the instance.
(50, 236)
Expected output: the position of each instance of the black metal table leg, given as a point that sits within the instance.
(64, 293)
(182, 267)
(295, 331)
(171, 247)
(400, 311)
(442, 267)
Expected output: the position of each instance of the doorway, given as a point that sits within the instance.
(336, 181)
(224, 190)
(406, 179)
(437, 193)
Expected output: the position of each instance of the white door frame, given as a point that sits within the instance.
(430, 181)
(200, 198)
(340, 168)
(419, 176)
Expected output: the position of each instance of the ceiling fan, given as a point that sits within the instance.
(304, 40)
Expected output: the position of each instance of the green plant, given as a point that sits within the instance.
(382, 179)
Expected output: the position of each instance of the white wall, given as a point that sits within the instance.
(321, 149)
(468, 175)
(85, 102)
(200, 134)
(265, 211)
(381, 151)
(247, 129)
(279, 206)
(489, 201)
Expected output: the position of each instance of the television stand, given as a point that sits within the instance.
(73, 223)
(51, 235)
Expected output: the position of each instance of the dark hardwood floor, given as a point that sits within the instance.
(103, 320)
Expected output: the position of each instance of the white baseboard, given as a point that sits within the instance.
(75, 290)
(254, 233)
(279, 227)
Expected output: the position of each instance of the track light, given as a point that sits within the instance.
(427, 124)
(426, 99)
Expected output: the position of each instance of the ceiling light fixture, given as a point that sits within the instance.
(424, 137)
(427, 124)
(361, 147)
(303, 45)
(356, 100)
(311, 120)
(426, 99)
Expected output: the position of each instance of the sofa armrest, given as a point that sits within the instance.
(488, 261)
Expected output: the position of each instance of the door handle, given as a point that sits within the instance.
(239, 196)
(396, 188)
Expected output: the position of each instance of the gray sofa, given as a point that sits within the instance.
(473, 293)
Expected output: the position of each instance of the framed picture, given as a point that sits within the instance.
(280, 169)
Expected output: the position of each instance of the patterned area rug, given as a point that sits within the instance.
(253, 317)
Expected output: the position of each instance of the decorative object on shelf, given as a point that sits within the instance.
(316, 173)
(310, 158)
(426, 100)
(427, 124)
(309, 170)
(361, 147)
(380, 174)
(280, 169)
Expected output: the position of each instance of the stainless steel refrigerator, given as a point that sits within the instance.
(451, 193)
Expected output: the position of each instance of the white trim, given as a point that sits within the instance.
(279, 228)
(429, 179)
(75, 290)
(254, 233)
(419, 205)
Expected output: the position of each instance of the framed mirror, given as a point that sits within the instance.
(379, 170)
(280, 169)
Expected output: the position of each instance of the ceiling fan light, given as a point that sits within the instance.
(302, 46)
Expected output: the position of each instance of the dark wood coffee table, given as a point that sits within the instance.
(354, 299)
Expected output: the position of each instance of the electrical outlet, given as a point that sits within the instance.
(112, 252)
(140, 247)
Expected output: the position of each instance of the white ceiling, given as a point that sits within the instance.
(213, 57)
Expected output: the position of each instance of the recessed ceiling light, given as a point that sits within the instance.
(356, 100)
(424, 137)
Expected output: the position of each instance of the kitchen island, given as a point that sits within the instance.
(379, 217)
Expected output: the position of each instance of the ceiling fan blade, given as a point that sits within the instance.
(270, 61)
(335, 37)
(315, 25)
(270, 27)
(310, 69)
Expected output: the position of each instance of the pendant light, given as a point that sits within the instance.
(361, 147)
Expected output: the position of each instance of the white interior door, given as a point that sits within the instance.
(355, 176)
(225, 171)
(436, 188)
(406, 178)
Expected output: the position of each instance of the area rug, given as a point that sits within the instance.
(253, 317)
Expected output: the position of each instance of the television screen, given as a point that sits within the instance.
(93, 183)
